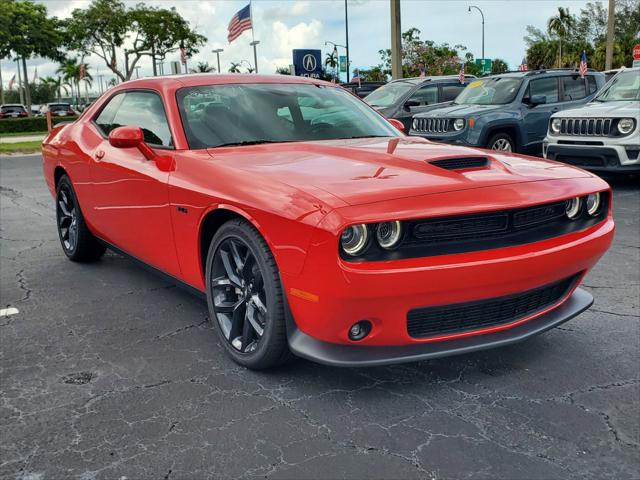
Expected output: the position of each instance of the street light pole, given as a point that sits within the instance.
(346, 28)
(217, 52)
(255, 54)
(482, 15)
(335, 52)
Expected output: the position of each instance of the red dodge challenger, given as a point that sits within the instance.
(315, 227)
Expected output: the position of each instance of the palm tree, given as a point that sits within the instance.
(56, 84)
(235, 67)
(71, 70)
(332, 61)
(561, 25)
(203, 67)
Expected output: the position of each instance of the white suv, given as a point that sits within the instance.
(603, 135)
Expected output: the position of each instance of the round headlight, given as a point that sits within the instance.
(389, 234)
(625, 125)
(573, 207)
(555, 125)
(593, 204)
(458, 124)
(354, 239)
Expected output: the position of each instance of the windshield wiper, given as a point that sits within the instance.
(250, 142)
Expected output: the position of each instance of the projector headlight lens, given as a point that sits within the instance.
(593, 204)
(556, 123)
(625, 125)
(573, 207)
(354, 239)
(389, 234)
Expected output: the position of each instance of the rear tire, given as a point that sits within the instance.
(245, 298)
(501, 142)
(78, 243)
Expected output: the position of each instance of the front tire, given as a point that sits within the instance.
(78, 243)
(245, 298)
(502, 142)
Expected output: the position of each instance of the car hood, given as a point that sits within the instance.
(360, 171)
(459, 111)
(603, 109)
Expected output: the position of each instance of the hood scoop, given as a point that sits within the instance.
(461, 163)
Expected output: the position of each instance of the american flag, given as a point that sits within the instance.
(81, 74)
(583, 64)
(523, 66)
(461, 74)
(12, 81)
(240, 22)
(183, 55)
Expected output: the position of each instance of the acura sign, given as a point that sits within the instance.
(307, 63)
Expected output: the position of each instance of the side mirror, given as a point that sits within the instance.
(537, 100)
(410, 103)
(396, 123)
(131, 137)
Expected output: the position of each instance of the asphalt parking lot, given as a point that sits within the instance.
(109, 372)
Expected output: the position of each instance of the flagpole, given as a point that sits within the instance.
(253, 39)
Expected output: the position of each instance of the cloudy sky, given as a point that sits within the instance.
(287, 24)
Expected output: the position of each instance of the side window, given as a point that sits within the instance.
(145, 110)
(104, 120)
(426, 95)
(450, 92)
(545, 86)
(591, 82)
(574, 88)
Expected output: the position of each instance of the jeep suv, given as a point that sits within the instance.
(509, 111)
(604, 135)
(402, 99)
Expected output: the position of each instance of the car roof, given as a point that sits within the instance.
(202, 79)
(12, 105)
(418, 80)
(533, 73)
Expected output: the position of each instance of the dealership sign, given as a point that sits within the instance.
(307, 63)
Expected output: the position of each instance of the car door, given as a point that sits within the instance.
(131, 196)
(424, 96)
(536, 118)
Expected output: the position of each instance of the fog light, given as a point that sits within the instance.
(359, 330)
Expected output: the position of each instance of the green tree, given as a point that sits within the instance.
(235, 67)
(499, 66)
(102, 28)
(71, 71)
(202, 67)
(57, 85)
(437, 59)
(373, 74)
(283, 71)
(561, 26)
(27, 31)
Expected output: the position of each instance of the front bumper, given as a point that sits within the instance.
(364, 356)
(462, 137)
(608, 158)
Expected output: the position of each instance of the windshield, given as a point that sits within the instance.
(388, 94)
(218, 115)
(490, 91)
(624, 86)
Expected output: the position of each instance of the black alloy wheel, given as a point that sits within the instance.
(245, 298)
(78, 243)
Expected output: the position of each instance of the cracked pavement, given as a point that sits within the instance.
(109, 372)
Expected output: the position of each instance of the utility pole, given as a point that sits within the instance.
(346, 27)
(217, 52)
(611, 20)
(396, 40)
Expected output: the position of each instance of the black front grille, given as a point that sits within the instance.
(460, 163)
(464, 317)
(432, 125)
(428, 237)
(585, 126)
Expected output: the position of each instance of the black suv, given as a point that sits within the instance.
(509, 111)
(402, 99)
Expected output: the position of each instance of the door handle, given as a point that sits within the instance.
(99, 154)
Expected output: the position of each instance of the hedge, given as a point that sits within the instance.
(26, 125)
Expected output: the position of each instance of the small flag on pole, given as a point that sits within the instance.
(12, 81)
(461, 74)
(81, 71)
(183, 54)
(35, 75)
(523, 66)
(240, 22)
(583, 64)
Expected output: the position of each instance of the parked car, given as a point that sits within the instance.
(402, 99)
(508, 112)
(58, 109)
(317, 227)
(362, 89)
(604, 135)
(609, 74)
(13, 110)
